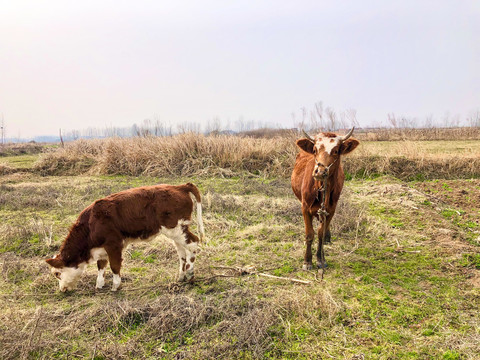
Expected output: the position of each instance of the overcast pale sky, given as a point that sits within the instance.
(78, 64)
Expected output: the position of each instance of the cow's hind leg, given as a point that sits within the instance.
(309, 235)
(191, 249)
(182, 258)
(101, 264)
(186, 244)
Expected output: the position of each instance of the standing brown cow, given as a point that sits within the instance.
(319, 160)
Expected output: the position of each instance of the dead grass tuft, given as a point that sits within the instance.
(226, 156)
(5, 169)
(185, 154)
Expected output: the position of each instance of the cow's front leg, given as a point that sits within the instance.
(309, 235)
(101, 264)
(115, 258)
(322, 241)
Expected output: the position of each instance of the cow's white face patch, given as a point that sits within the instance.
(68, 276)
(328, 144)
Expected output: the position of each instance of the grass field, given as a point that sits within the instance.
(402, 283)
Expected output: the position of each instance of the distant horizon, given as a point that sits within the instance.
(126, 132)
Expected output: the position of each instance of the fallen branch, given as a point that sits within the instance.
(250, 270)
(284, 278)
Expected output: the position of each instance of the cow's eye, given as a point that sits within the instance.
(335, 152)
(57, 274)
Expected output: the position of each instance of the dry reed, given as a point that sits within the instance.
(226, 155)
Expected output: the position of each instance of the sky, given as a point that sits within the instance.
(78, 64)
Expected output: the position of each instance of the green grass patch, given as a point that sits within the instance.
(20, 161)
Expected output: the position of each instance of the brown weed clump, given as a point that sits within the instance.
(186, 154)
(12, 149)
(5, 169)
(414, 168)
(75, 158)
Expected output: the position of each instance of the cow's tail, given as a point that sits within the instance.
(193, 190)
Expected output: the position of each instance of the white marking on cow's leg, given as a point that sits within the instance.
(191, 250)
(179, 239)
(182, 259)
(116, 282)
(100, 279)
(189, 267)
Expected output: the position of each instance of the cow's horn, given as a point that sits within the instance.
(307, 136)
(345, 137)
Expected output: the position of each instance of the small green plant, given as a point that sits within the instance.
(471, 260)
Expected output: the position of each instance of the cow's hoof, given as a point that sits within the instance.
(189, 276)
(319, 265)
(307, 267)
(328, 237)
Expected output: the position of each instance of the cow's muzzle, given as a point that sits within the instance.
(320, 171)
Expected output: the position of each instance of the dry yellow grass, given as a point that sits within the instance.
(185, 154)
(193, 154)
(413, 134)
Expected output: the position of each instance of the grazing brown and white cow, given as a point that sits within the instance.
(106, 227)
(319, 160)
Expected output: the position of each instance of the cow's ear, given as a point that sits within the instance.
(305, 145)
(55, 262)
(348, 146)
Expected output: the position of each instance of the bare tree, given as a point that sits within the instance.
(61, 138)
(188, 127)
(429, 122)
(473, 119)
(3, 129)
(332, 119)
(351, 115)
(446, 119)
(392, 120)
(214, 126)
(240, 124)
(456, 121)
(319, 110)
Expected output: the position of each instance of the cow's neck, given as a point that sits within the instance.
(75, 249)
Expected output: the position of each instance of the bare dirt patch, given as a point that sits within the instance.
(464, 194)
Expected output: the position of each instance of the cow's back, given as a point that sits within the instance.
(140, 212)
